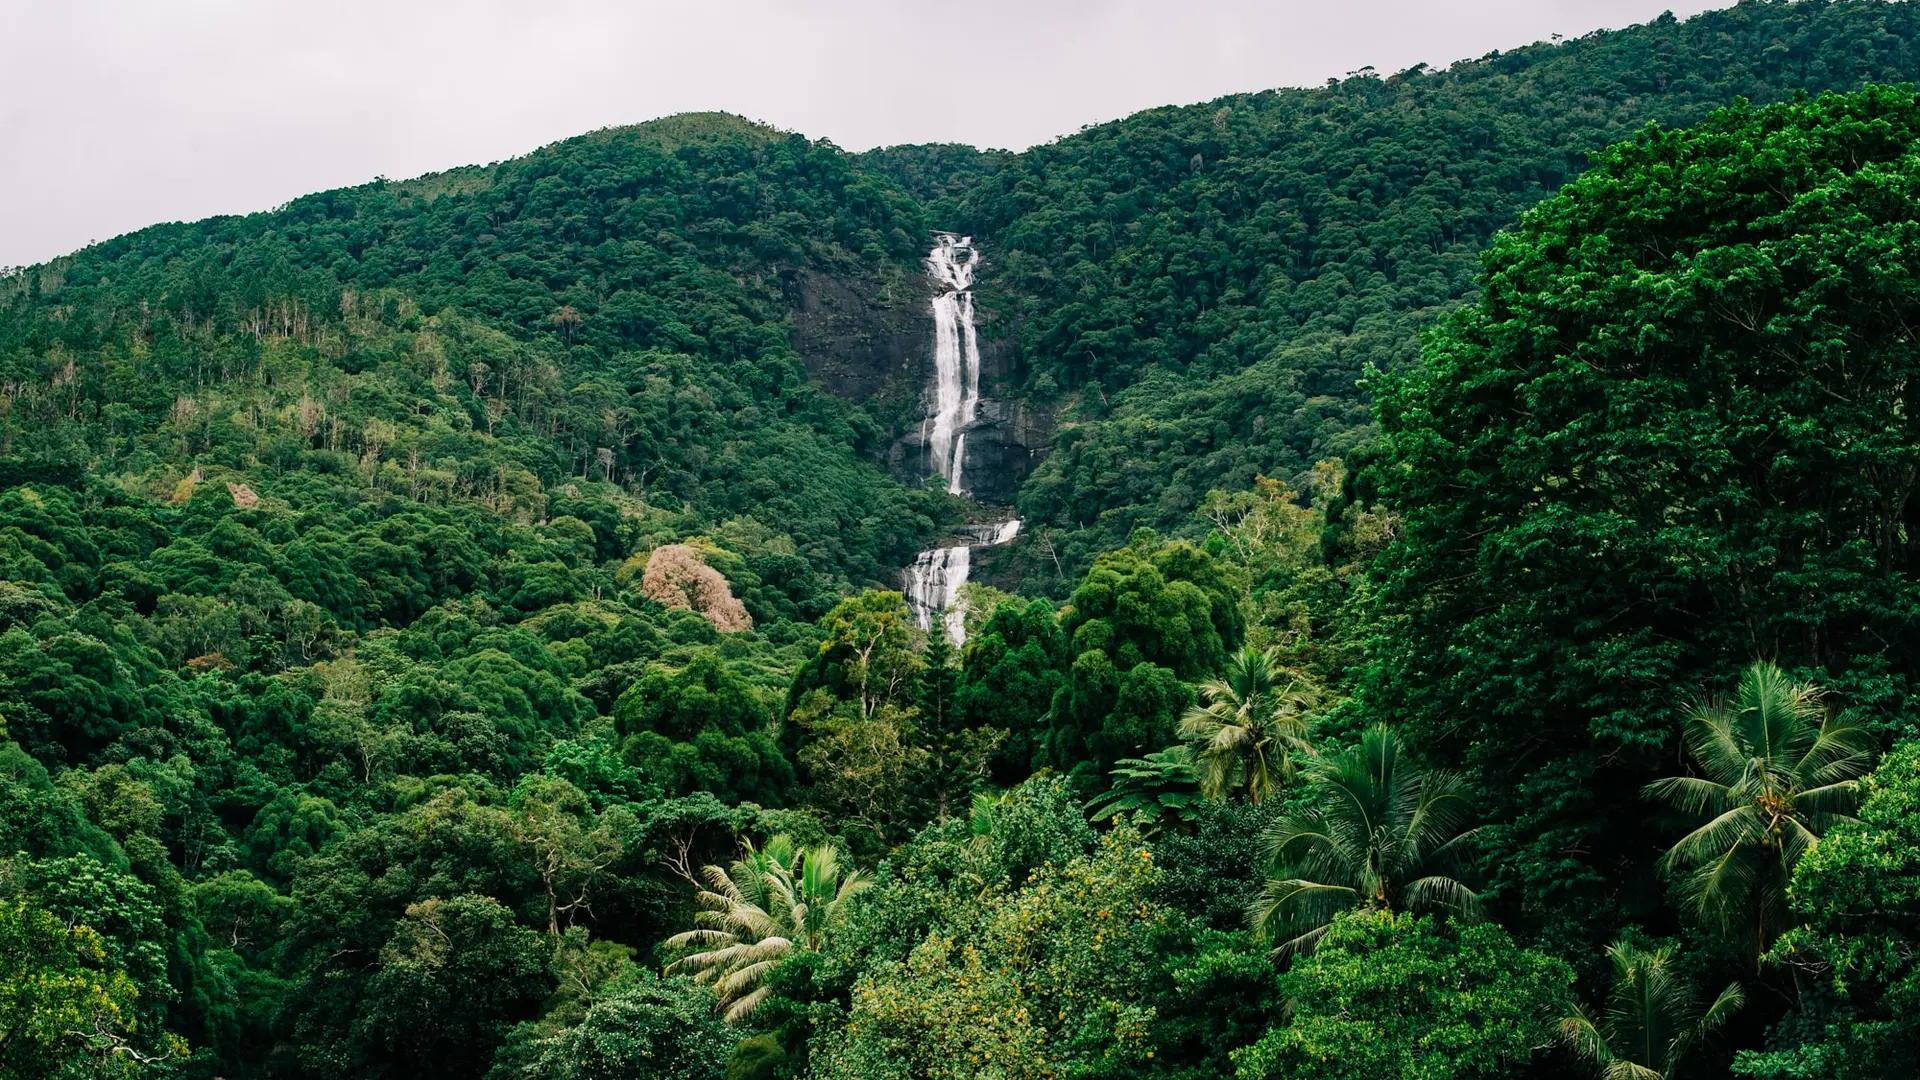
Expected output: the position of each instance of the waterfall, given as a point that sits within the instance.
(934, 581)
(956, 355)
(933, 589)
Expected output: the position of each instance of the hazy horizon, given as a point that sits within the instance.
(116, 115)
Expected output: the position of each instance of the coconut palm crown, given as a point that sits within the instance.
(1251, 728)
(771, 901)
(1779, 770)
(1378, 836)
(1653, 1017)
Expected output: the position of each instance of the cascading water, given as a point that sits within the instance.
(936, 577)
(934, 581)
(956, 355)
(933, 589)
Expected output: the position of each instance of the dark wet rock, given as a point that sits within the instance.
(869, 338)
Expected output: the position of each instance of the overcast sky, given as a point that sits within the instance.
(115, 115)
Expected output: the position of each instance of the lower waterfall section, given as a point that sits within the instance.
(934, 581)
(933, 589)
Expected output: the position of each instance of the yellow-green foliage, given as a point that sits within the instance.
(62, 1012)
(1041, 981)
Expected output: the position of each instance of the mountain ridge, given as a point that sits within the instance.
(1089, 236)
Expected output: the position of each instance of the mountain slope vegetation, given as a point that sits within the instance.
(448, 627)
(1208, 285)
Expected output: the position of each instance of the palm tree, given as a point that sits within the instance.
(1252, 725)
(1653, 1017)
(1160, 785)
(768, 903)
(1380, 831)
(1780, 771)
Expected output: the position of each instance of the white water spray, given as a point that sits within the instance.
(933, 589)
(935, 580)
(956, 355)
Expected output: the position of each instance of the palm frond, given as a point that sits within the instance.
(1302, 944)
(1622, 1069)
(1442, 809)
(1710, 739)
(722, 884)
(1730, 1001)
(1290, 836)
(1289, 906)
(744, 1006)
(708, 966)
(752, 921)
(1741, 825)
(699, 939)
(1720, 888)
(1690, 794)
(855, 881)
(1437, 891)
(745, 976)
(1842, 751)
(1582, 1035)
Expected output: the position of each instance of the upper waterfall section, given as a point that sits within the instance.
(956, 356)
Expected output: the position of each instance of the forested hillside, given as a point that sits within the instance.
(1204, 286)
(1461, 627)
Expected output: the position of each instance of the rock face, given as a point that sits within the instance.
(1006, 439)
(861, 337)
(869, 339)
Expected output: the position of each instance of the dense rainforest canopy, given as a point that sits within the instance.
(1462, 626)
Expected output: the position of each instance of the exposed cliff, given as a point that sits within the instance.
(868, 337)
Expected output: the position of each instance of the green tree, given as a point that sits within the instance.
(953, 758)
(1672, 430)
(658, 1028)
(409, 930)
(769, 903)
(868, 657)
(1010, 672)
(1146, 618)
(63, 1013)
(1045, 975)
(1780, 771)
(680, 704)
(702, 727)
(1390, 994)
(1653, 1017)
(240, 912)
(1165, 603)
(1858, 896)
(572, 847)
(136, 915)
(452, 979)
(861, 766)
(1376, 836)
(1253, 725)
